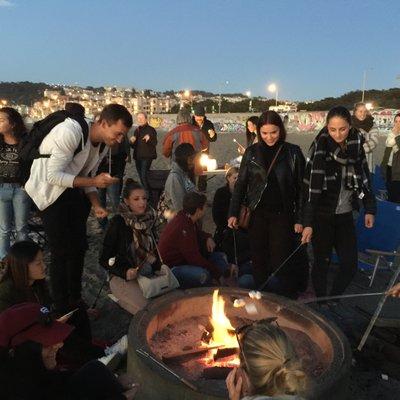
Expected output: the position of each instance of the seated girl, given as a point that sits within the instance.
(128, 246)
(23, 280)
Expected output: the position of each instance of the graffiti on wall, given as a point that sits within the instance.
(298, 122)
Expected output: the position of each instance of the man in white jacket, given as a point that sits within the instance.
(63, 186)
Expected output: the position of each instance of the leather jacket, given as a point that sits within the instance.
(252, 179)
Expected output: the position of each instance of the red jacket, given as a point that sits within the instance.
(179, 244)
(184, 133)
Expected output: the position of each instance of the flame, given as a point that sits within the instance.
(222, 335)
(223, 329)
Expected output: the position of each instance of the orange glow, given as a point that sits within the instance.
(222, 335)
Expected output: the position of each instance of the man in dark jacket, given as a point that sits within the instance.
(207, 127)
(188, 250)
(144, 142)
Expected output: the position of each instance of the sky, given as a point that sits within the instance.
(310, 48)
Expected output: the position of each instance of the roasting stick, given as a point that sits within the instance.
(378, 310)
(343, 296)
(241, 146)
(160, 364)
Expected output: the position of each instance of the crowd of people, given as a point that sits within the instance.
(269, 208)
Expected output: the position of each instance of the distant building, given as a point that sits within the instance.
(284, 108)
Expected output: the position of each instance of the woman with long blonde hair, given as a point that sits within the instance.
(269, 367)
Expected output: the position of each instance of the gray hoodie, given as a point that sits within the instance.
(176, 186)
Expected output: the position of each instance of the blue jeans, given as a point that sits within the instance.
(246, 280)
(14, 210)
(193, 276)
(142, 167)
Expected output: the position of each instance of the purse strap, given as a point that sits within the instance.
(273, 160)
(156, 246)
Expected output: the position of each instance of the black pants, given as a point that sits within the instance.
(202, 183)
(272, 239)
(64, 222)
(142, 167)
(334, 231)
(393, 187)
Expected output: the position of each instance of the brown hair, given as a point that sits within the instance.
(15, 118)
(20, 255)
(273, 118)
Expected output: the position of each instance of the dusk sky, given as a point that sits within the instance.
(310, 49)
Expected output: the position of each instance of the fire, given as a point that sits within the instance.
(223, 333)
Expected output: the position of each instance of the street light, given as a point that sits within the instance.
(273, 88)
(248, 94)
(364, 83)
(220, 96)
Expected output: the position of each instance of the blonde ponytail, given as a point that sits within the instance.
(271, 363)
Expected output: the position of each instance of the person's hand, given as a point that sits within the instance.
(234, 385)
(395, 291)
(100, 212)
(369, 220)
(131, 274)
(210, 244)
(298, 228)
(241, 150)
(104, 180)
(233, 223)
(306, 234)
(132, 139)
(146, 138)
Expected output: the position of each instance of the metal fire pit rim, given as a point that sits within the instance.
(341, 362)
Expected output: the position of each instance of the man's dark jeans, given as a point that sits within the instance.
(64, 222)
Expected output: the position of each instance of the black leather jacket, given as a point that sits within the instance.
(252, 180)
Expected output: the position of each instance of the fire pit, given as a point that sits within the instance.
(192, 335)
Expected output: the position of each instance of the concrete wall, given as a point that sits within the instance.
(298, 122)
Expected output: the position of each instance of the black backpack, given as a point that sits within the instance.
(28, 148)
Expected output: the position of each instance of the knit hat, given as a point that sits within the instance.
(199, 111)
(31, 322)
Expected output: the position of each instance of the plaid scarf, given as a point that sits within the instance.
(323, 150)
(142, 225)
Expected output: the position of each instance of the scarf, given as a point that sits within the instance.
(142, 241)
(366, 125)
(324, 149)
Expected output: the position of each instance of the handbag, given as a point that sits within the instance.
(245, 212)
(161, 282)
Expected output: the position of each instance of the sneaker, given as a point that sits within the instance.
(111, 361)
(120, 346)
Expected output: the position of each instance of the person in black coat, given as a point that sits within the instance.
(275, 201)
(144, 142)
(128, 241)
(237, 248)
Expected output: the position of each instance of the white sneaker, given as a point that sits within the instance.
(111, 361)
(120, 346)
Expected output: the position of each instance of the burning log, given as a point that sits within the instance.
(216, 372)
(186, 354)
(226, 352)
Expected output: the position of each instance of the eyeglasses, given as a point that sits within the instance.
(242, 330)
